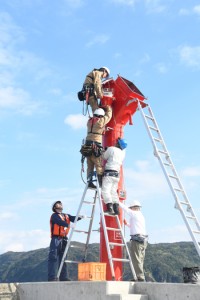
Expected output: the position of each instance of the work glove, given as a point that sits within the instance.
(83, 217)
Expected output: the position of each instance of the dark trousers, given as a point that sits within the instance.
(56, 250)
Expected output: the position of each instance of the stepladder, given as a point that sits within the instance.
(182, 202)
(91, 203)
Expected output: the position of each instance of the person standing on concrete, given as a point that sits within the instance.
(93, 86)
(59, 226)
(114, 157)
(138, 241)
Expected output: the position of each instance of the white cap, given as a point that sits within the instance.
(99, 112)
(107, 70)
(135, 203)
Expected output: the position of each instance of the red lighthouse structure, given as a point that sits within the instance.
(123, 96)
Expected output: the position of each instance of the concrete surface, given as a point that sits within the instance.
(99, 290)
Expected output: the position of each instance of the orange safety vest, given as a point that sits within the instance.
(60, 230)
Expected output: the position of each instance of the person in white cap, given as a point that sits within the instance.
(138, 241)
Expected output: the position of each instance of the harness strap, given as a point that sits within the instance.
(111, 173)
(90, 77)
(92, 127)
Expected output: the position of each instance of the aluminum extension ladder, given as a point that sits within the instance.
(160, 151)
(97, 197)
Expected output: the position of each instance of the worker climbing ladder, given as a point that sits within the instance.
(109, 245)
(160, 151)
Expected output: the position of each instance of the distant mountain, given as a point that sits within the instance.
(163, 262)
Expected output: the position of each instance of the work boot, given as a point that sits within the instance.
(91, 186)
(100, 180)
(109, 209)
(116, 208)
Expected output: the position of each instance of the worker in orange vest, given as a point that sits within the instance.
(60, 224)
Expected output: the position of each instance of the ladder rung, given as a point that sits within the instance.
(167, 164)
(73, 261)
(114, 229)
(172, 176)
(76, 246)
(157, 140)
(196, 231)
(81, 231)
(185, 203)
(116, 244)
(153, 128)
(149, 117)
(108, 215)
(178, 190)
(163, 152)
(121, 259)
(191, 217)
(88, 202)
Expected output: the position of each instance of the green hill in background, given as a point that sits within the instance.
(163, 262)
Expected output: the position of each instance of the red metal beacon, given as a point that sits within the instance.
(122, 95)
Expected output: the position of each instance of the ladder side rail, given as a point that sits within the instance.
(178, 206)
(71, 232)
(127, 250)
(165, 149)
(169, 159)
(106, 235)
(90, 227)
(156, 153)
(171, 166)
(168, 179)
(196, 243)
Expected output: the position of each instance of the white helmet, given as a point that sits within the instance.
(107, 70)
(99, 112)
(135, 203)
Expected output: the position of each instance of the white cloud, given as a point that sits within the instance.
(23, 240)
(76, 121)
(15, 63)
(143, 174)
(193, 10)
(145, 59)
(99, 39)
(184, 12)
(17, 99)
(7, 215)
(125, 2)
(191, 172)
(190, 56)
(155, 6)
(171, 234)
(196, 9)
(74, 3)
(162, 68)
(10, 32)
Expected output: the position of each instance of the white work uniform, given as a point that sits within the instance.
(114, 157)
(137, 248)
(137, 221)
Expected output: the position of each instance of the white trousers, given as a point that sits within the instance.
(109, 189)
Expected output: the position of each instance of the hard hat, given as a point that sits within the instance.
(135, 203)
(54, 204)
(122, 143)
(99, 112)
(107, 70)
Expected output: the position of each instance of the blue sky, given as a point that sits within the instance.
(46, 49)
